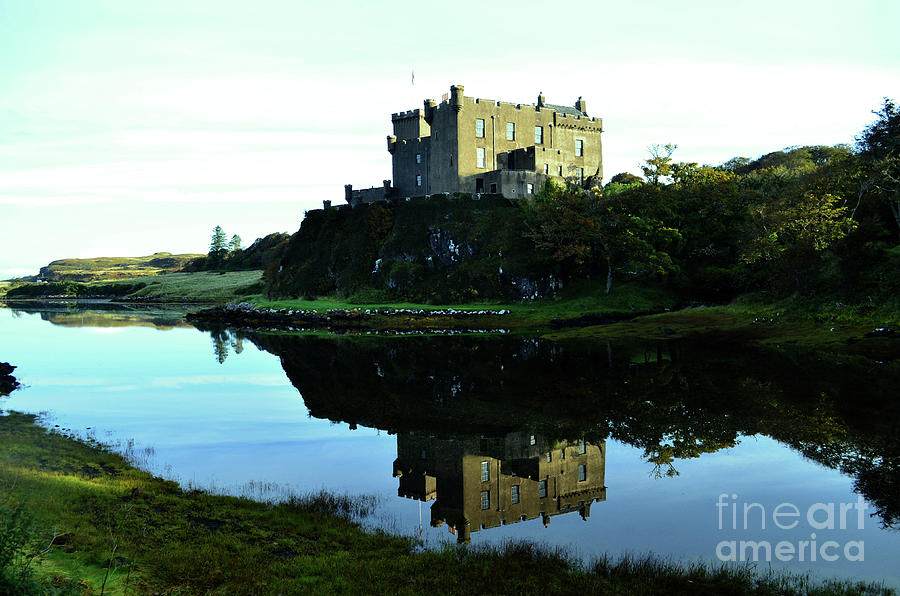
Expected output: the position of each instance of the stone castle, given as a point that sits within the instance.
(472, 145)
(477, 484)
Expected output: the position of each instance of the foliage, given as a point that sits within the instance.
(879, 147)
(625, 178)
(659, 165)
(219, 242)
(584, 231)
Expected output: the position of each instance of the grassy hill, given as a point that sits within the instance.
(109, 268)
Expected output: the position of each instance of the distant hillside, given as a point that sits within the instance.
(109, 268)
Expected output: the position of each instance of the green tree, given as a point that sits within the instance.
(879, 147)
(626, 178)
(794, 230)
(584, 231)
(235, 244)
(219, 241)
(659, 164)
(218, 247)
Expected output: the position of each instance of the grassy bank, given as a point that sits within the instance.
(203, 286)
(99, 524)
(587, 296)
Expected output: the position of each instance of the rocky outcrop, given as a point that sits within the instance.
(394, 320)
(8, 383)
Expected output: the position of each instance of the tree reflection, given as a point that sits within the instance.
(674, 400)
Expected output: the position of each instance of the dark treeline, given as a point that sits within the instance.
(229, 256)
(806, 220)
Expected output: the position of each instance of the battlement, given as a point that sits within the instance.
(407, 114)
(479, 145)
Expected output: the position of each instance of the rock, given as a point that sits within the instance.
(881, 332)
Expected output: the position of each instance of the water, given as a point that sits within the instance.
(674, 439)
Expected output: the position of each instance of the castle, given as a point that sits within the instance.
(482, 483)
(472, 145)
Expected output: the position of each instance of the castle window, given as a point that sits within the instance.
(485, 471)
(547, 168)
(560, 170)
(493, 188)
(579, 147)
(479, 157)
(479, 128)
(419, 180)
(582, 473)
(510, 131)
(418, 158)
(485, 499)
(514, 493)
(530, 190)
(549, 456)
(542, 489)
(579, 174)
(531, 440)
(582, 447)
(538, 135)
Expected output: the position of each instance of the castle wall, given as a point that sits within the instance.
(444, 154)
(437, 149)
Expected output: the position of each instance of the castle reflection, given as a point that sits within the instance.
(482, 483)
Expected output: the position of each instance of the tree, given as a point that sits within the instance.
(793, 230)
(235, 244)
(626, 178)
(584, 230)
(219, 242)
(659, 163)
(879, 147)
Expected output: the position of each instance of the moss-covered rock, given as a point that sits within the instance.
(439, 249)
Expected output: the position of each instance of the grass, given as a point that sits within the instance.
(203, 286)
(109, 268)
(115, 529)
(626, 300)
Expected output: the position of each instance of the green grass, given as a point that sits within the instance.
(625, 300)
(116, 524)
(203, 286)
(109, 268)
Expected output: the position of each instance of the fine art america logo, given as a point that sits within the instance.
(790, 522)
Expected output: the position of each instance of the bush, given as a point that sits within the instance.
(17, 550)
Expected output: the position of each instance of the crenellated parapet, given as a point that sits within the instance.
(467, 145)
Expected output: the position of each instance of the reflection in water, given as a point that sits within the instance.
(107, 315)
(481, 483)
(222, 340)
(674, 400)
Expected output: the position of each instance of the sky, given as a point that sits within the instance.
(128, 128)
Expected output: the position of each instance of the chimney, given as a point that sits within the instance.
(580, 106)
(456, 97)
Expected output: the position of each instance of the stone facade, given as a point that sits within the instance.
(472, 145)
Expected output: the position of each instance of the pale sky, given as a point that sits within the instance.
(132, 127)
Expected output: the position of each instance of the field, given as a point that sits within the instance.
(107, 268)
(203, 286)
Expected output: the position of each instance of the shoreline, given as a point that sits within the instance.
(307, 544)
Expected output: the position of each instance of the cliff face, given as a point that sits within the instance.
(438, 249)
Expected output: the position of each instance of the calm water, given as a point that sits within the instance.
(607, 448)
